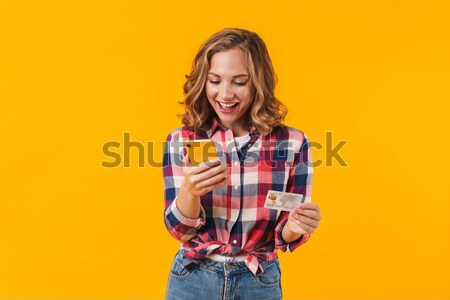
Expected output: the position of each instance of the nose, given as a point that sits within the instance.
(226, 92)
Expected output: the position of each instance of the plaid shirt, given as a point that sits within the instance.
(233, 220)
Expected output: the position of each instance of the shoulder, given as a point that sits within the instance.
(295, 139)
(179, 134)
(286, 132)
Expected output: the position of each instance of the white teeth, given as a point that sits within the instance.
(227, 105)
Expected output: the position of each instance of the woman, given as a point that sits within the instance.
(229, 241)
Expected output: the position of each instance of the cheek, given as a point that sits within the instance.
(247, 96)
(210, 92)
(249, 91)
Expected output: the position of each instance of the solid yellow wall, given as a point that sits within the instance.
(76, 75)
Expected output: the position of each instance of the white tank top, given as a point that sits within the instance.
(241, 140)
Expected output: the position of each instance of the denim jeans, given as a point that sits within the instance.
(211, 280)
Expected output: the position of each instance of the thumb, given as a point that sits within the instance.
(186, 161)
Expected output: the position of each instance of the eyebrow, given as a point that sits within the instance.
(240, 75)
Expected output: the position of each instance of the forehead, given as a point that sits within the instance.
(229, 63)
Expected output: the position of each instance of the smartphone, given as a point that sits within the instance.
(200, 151)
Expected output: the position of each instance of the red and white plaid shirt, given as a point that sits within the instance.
(233, 220)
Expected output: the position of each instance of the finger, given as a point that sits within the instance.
(303, 209)
(308, 221)
(222, 167)
(294, 215)
(217, 185)
(309, 205)
(309, 213)
(205, 166)
(186, 161)
(211, 180)
(207, 177)
(307, 228)
(295, 220)
(298, 219)
(210, 173)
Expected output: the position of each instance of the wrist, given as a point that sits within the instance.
(188, 204)
(288, 235)
(186, 194)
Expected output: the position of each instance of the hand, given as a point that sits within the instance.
(207, 176)
(304, 219)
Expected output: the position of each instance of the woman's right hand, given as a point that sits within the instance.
(207, 176)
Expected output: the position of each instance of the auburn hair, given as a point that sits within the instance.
(265, 112)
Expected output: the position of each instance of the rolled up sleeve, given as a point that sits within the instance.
(281, 244)
(181, 227)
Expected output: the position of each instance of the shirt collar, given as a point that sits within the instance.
(217, 126)
(214, 126)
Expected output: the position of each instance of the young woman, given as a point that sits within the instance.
(229, 241)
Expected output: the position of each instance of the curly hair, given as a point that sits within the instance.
(265, 112)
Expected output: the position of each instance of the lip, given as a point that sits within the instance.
(227, 102)
(225, 109)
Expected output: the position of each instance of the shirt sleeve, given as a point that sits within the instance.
(179, 226)
(299, 182)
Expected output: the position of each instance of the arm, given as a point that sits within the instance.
(183, 186)
(288, 236)
(180, 226)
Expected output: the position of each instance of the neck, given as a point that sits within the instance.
(238, 129)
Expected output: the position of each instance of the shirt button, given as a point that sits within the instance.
(235, 163)
(236, 187)
(234, 242)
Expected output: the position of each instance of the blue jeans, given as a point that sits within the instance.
(211, 280)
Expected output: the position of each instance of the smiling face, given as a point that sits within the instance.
(229, 89)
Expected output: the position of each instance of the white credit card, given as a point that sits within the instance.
(282, 200)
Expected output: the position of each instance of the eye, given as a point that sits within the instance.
(216, 82)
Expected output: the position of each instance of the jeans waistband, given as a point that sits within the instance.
(233, 266)
(223, 258)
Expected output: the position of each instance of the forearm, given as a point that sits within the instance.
(188, 204)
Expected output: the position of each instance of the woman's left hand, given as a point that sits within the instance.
(305, 218)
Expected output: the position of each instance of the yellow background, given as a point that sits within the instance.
(77, 74)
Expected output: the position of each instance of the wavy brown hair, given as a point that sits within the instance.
(266, 110)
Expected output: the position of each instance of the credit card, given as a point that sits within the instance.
(282, 200)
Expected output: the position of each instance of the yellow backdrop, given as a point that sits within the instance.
(75, 75)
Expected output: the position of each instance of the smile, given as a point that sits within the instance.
(227, 105)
